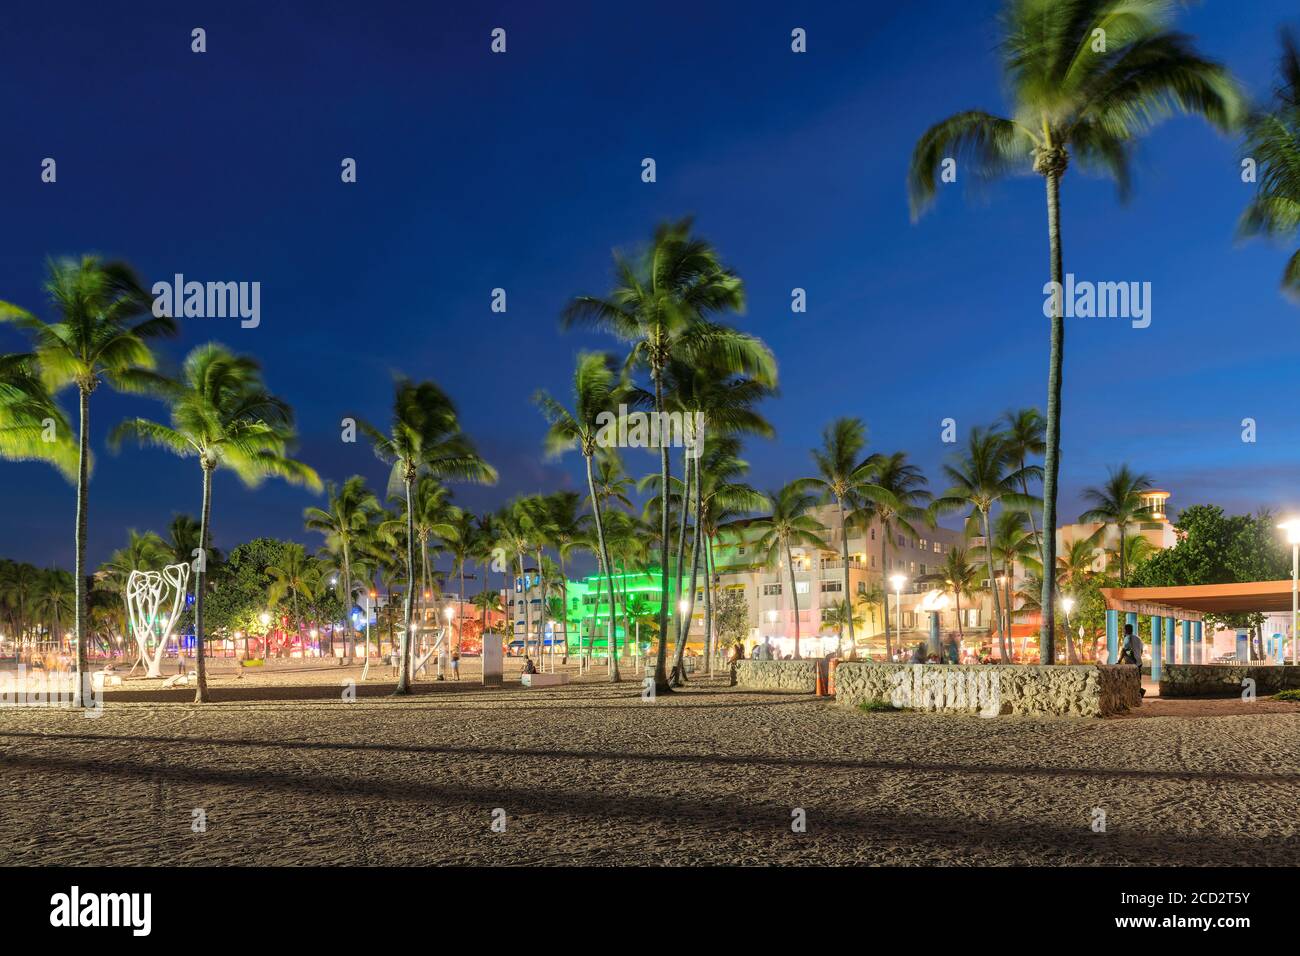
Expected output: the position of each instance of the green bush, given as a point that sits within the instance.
(876, 706)
(1292, 694)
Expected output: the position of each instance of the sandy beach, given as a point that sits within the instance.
(285, 770)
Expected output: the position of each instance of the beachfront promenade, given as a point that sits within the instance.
(280, 769)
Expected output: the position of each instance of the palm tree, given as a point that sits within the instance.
(32, 426)
(18, 583)
(837, 616)
(1119, 503)
(1012, 543)
(960, 577)
(1273, 142)
(1086, 78)
(298, 576)
(460, 538)
(1025, 436)
(893, 492)
(788, 525)
(597, 390)
(52, 599)
(223, 415)
(343, 521)
(980, 479)
(102, 335)
(870, 597)
(425, 439)
(840, 471)
(661, 306)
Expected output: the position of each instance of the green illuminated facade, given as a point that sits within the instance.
(589, 620)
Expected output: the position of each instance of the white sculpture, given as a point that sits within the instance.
(148, 593)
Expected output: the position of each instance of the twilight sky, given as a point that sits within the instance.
(522, 171)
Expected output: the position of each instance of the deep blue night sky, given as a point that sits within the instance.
(523, 171)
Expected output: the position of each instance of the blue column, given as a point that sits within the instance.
(1157, 647)
(1171, 642)
(1187, 642)
(1198, 633)
(1112, 636)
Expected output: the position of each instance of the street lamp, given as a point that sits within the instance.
(1067, 605)
(1292, 529)
(897, 580)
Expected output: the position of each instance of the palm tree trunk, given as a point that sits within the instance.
(1052, 458)
(200, 665)
(681, 546)
(347, 601)
(528, 615)
(848, 598)
(794, 597)
(708, 601)
(541, 621)
(661, 656)
(1121, 555)
(993, 586)
(884, 587)
(404, 659)
(1007, 610)
(609, 571)
(80, 697)
(678, 666)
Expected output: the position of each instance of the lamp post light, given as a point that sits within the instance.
(897, 580)
(1067, 605)
(1292, 529)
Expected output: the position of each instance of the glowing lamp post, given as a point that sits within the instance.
(1292, 529)
(897, 580)
(1067, 605)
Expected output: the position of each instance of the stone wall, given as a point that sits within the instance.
(1084, 690)
(797, 677)
(1224, 680)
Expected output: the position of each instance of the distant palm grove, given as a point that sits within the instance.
(1085, 79)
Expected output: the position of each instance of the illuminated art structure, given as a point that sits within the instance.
(155, 599)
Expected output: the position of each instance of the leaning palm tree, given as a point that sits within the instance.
(425, 438)
(102, 335)
(1273, 142)
(1119, 504)
(840, 471)
(343, 522)
(1086, 78)
(893, 492)
(223, 415)
(661, 306)
(788, 525)
(980, 479)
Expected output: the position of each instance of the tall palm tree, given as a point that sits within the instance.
(1012, 543)
(101, 335)
(1273, 141)
(52, 599)
(840, 470)
(223, 415)
(789, 524)
(425, 438)
(460, 539)
(961, 578)
(661, 306)
(1118, 503)
(343, 521)
(597, 390)
(32, 426)
(980, 479)
(892, 491)
(18, 583)
(1085, 79)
